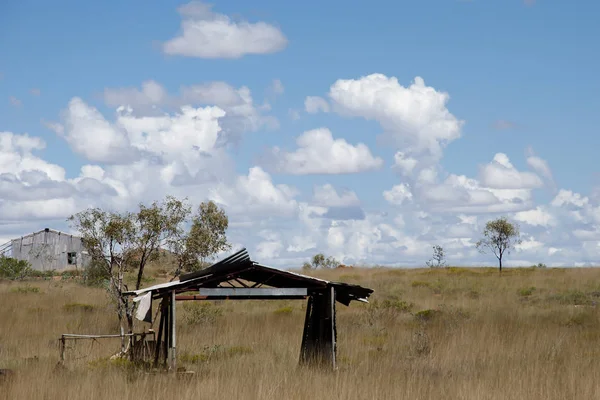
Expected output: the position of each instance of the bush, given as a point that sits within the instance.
(426, 315)
(25, 289)
(95, 274)
(524, 292)
(570, 297)
(397, 305)
(11, 268)
(393, 303)
(48, 274)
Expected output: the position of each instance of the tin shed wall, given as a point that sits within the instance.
(49, 250)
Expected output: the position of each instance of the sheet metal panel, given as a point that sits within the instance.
(254, 292)
(50, 250)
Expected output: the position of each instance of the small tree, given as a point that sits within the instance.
(206, 238)
(11, 268)
(499, 237)
(109, 239)
(156, 226)
(438, 260)
(121, 243)
(320, 261)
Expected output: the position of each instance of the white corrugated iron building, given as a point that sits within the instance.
(49, 250)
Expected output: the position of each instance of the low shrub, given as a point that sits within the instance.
(570, 297)
(397, 305)
(96, 275)
(426, 315)
(525, 292)
(42, 274)
(13, 269)
(25, 289)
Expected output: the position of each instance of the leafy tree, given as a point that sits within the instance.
(14, 269)
(206, 238)
(110, 239)
(320, 261)
(499, 237)
(120, 243)
(155, 226)
(438, 260)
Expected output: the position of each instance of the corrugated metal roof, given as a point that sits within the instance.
(240, 266)
(46, 230)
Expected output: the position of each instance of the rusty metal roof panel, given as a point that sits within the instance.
(240, 266)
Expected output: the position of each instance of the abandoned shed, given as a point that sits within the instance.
(239, 278)
(48, 250)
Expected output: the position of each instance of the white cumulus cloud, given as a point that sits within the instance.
(414, 117)
(206, 34)
(501, 174)
(398, 194)
(319, 153)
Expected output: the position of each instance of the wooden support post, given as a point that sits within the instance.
(157, 343)
(331, 327)
(62, 348)
(166, 334)
(172, 332)
(306, 336)
(319, 337)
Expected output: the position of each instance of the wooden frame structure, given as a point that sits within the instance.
(238, 278)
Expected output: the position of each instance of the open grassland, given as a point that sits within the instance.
(426, 334)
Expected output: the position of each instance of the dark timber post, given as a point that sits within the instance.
(158, 343)
(306, 348)
(167, 343)
(319, 337)
(331, 326)
(172, 335)
(162, 341)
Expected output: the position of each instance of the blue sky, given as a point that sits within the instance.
(518, 87)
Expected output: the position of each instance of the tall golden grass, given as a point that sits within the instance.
(426, 334)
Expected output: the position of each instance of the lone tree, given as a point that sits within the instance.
(122, 244)
(438, 260)
(320, 261)
(499, 237)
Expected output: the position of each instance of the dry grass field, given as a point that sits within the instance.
(427, 334)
